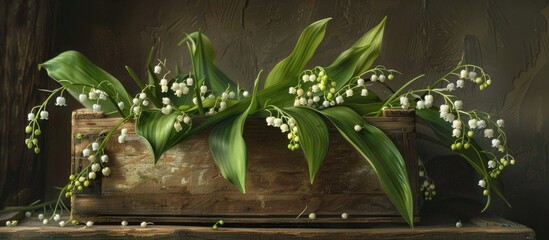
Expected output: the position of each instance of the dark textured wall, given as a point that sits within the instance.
(508, 38)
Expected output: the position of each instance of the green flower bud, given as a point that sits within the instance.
(37, 132)
(28, 129)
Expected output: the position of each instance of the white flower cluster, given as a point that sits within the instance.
(183, 118)
(286, 124)
(93, 95)
(138, 102)
(123, 135)
(428, 189)
(315, 89)
(428, 185)
(464, 124)
(181, 88)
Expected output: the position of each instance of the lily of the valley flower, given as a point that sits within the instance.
(496, 142)
(500, 123)
(482, 183)
(488, 133)
(428, 101)
(364, 92)
(96, 107)
(420, 104)
(463, 74)
(451, 87)
(473, 123)
(157, 69)
(460, 83)
(60, 101)
(491, 164)
(106, 171)
(458, 104)
(481, 124)
(44, 115)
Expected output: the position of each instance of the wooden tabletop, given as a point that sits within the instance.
(434, 227)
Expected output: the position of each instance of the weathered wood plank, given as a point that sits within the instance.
(186, 184)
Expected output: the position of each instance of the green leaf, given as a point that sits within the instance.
(228, 147)
(380, 152)
(204, 67)
(74, 71)
(313, 137)
(344, 67)
(287, 71)
(205, 43)
(356, 60)
(478, 160)
(158, 130)
(372, 39)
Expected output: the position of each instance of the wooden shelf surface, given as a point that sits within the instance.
(433, 227)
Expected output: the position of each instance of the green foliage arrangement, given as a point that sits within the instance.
(298, 100)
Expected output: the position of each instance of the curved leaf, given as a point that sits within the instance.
(373, 39)
(158, 131)
(313, 137)
(203, 60)
(73, 70)
(228, 147)
(287, 71)
(357, 59)
(380, 152)
(344, 67)
(476, 159)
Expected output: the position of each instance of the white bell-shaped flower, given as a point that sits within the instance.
(157, 69)
(481, 124)
(82, 97)
(44, 115)
(96, 107)
(420, 104)
(500, 123)
(60, 101)
(30, 116)
(488, 133)
(106, 171)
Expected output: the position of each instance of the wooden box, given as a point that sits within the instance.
(185, 186)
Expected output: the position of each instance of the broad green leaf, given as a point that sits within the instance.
(478, 160)
(158, 130)
(380, 152)
(372, 39)
(228, 147)
(203, 60)
(287, 71)
(74, 71)
(313, 137)
(344, 67)
(205, 43)
(356, 60)
(364, 109)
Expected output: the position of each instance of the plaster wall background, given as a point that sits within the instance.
(508, 38)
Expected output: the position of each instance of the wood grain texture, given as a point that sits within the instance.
(25, 38)
(439, 228)
(186, 185)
